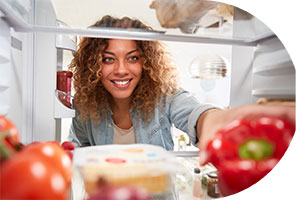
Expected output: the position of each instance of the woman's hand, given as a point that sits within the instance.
(212, 120)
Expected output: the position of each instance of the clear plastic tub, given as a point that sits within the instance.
(140, 165)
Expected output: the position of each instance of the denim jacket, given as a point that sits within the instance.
(182, 110)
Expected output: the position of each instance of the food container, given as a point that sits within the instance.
(63, 86)
(63, 81)
(140, 165)
(212, 185)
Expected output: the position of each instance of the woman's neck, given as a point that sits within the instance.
(120, 105)
(121, 113)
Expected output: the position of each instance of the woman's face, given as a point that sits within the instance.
(122, 68)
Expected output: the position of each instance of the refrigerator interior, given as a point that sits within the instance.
(35, 47)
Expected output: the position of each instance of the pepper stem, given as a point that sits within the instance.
(256, 149)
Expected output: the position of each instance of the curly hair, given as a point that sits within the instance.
(159, 74)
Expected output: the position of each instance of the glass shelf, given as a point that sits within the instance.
(272, 93)
(247, 34)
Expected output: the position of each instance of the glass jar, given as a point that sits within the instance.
(64, 81)
(63, 84)
(212, 185)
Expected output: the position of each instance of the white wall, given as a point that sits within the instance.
(241, 76)
(214, 91)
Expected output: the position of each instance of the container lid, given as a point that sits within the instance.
(213, 174)
(147, 156)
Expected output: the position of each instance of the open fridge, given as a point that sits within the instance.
(35, 45)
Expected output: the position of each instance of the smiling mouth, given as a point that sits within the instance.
(121, 83)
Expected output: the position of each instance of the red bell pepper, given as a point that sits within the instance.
(244, 151)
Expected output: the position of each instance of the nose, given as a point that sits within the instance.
(121, 67)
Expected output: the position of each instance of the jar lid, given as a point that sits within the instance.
(213, 175)
(65, 73)
(197, 170)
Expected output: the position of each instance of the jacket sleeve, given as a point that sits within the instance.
(78, 134)
(185, 111)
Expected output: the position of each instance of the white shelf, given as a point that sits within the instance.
(274, 93)
(62, 111)
(64, 42)
(280, 69)
(272, 59)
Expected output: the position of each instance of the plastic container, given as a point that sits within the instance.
(140, 165)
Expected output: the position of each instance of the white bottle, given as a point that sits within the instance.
(197, 185)
(181, 143)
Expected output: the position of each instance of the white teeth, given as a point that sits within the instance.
(121, 82)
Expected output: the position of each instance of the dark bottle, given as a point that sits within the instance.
(212, 185)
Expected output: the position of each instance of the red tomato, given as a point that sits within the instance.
(30, 177)
(7, 126)
(39, 171)
(9, 139)
(51, 151)
(68, 145)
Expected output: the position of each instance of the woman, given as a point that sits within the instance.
(126, 92)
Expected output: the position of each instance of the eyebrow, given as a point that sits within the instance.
(111, 53)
